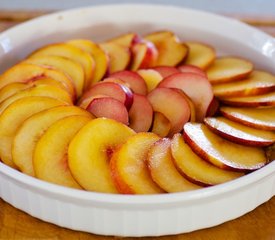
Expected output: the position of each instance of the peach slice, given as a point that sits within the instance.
(118, 91)
(200, 55)
(190, 103)
(171, 51)
(116, 80)
(11, 89)
(31, 130)
(267, 99)
(135, 81)
(47, 81)
(26, 72)
(13, 117)
(40, 90)
(100, 57)
(50, 157)
(85, 103)
(159, 35)
(161, 124)
(192, 69)
(74, 53)
(163, 170)
(227, 69)
(119, 56)
(172, 105)
(260, 118)
(73, 69)
(109, 107)
(240, 133)
(16, 87)
(196, 169)
(128, 165)
(258, 82)
(144, 55)
(90, 151)
(196, 87)
(151, 77)
(166, 71)
(126, 40)
(213, 107)
(140, 114)
(221, 152)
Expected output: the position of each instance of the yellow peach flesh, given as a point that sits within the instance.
(200, 55)
(226, 69)
(240, 133)
(197, 169)
(163, 170)
(221, 152)
(32, 129)
(128, 165)
(12, 118)
(50, 161)
(261, 118)
(89, 153)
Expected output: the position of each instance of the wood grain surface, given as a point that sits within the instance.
(258, 224)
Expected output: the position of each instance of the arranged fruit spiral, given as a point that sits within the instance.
(136, 115)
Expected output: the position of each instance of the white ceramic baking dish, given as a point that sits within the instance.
(149, 215)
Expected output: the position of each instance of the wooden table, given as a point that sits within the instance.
(258, 224)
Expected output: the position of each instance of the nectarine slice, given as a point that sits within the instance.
(258, 82)
(172, 105)
(128, 165)
(26, 72)
(191, 68)
(144, 55)
(163, 170)
(213, 107)
(126, 40)
(40, 90)
(195, 169)
(100, 57)
(190, 103)
(135, 81)
(159, 35)
(267, 99)
(140, 114)
(12, 88)
(119, 56)
(226, 69)
(73, 69)
(151, 77)
(240, 133)
(261, 118)
(118, 91)
(31, 130)
(200, 54)
(50, 157)
(166, 71)
(195, 86)
(109, 107)
(74, 53)
(14, 115)
(170, 50)
(161, 124)
(90, 151)
(221, 152)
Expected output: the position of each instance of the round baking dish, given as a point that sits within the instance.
(132, 215)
